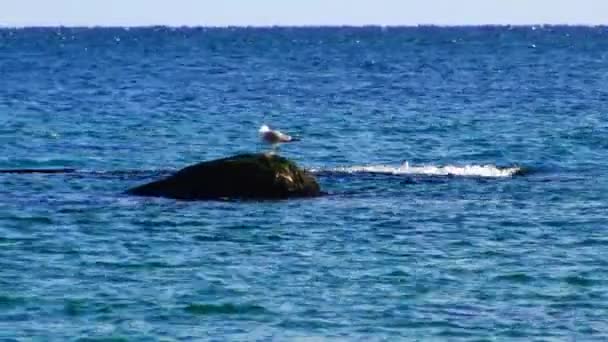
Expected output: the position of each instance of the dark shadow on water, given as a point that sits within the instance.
(226, 309)
(38, 171)
(335, 184)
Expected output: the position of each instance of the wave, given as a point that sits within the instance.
(490, 171)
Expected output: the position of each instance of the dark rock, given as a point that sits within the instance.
(246, 176)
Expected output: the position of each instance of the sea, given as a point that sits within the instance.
(464, 172)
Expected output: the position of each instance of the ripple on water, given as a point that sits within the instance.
(580, 281)
(243, 310)
(515, 277)
(103, 339)
(81, 307)
(11, 302)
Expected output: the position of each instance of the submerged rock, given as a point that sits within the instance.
(44, 171)
(246, 176)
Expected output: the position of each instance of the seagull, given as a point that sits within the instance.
(274, 137)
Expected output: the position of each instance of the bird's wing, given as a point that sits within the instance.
(283, 137)
(270, 137)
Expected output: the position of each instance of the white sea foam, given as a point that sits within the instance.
(490, 171)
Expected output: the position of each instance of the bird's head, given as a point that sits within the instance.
(264, 129)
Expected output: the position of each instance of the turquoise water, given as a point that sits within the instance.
(465, 170)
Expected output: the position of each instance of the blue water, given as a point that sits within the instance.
(466, 171)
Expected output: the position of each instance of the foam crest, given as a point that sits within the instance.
(490, 171)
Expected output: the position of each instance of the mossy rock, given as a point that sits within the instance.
(245, 176)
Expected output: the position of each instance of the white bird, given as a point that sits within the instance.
(274, 137)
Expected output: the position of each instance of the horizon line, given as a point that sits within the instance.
(256, 26)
